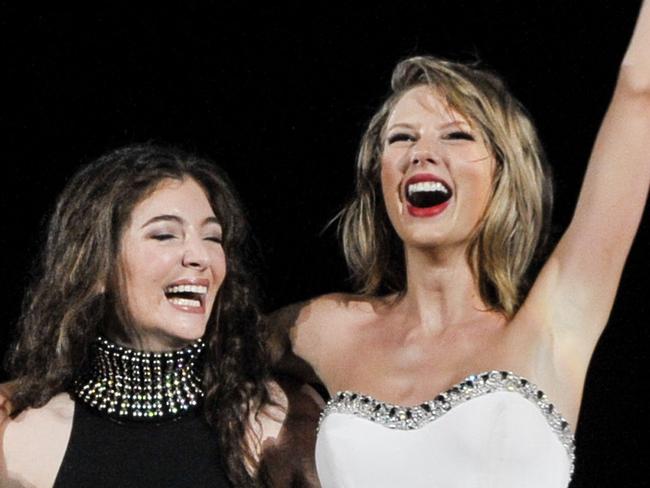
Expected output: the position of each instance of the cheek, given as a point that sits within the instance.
(390, 180)
(480, 189)
(219, 268)
(146, 272)
(218, 271)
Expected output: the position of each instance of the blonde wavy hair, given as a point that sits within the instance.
(516, 219)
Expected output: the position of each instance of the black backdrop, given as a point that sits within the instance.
(279, 97)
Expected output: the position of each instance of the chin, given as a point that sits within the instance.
(423, 237)
(190, 334)
(176, 337)
(432, 242)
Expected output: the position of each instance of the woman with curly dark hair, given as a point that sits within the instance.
(140, 359)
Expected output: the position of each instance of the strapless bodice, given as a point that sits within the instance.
(494, 429)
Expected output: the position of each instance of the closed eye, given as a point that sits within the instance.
(216, 239)
(400, 136)
(460, 134)
(163, 237)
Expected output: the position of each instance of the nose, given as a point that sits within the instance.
(425, 149)
(195, 254)
(422, 155)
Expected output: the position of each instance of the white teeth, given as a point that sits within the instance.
(427, 186)
(185, 302)
(187, 288)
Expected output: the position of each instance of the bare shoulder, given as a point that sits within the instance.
(323, 308)
(316, 329)
(339, 304)
(322, 314)
(307, 313)
(33, 443)
(59, 409)
(287, 433)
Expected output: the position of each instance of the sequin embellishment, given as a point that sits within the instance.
(408, 418)
(127, 384)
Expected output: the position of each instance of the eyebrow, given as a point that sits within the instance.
(455, 123)
(401, 124)
(177, 219)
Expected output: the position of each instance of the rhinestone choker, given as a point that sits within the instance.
(127, 384)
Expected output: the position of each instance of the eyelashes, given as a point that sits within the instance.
(460, 134)
(399, 136)
(163, 237)
(407, 137)
(167, 237)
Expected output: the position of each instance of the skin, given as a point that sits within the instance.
(173, 234)
(388, 347)
(155, 251)
(407, 349)
(425, 136)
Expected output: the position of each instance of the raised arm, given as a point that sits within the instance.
(576, 288)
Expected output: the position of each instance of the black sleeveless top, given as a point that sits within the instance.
(177, 453)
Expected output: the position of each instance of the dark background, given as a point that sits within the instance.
(279, 96)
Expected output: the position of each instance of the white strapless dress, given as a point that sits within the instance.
(493, 430)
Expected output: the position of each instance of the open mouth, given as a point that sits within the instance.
(427, 194)
(187, 296)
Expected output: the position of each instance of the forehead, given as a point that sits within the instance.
(424, 101)
(176, 197)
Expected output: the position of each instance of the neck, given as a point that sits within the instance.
(441, 290)
(129, 384)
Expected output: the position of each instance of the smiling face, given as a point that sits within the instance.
(436, 171)
(172, 265)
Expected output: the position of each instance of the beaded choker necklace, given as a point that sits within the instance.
(130, 385)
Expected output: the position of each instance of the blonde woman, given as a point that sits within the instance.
(446, 369)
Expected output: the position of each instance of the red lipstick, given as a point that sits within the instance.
(425, 211)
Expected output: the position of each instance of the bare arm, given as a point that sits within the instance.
(575, 291)
(285, 435)
(34, 443)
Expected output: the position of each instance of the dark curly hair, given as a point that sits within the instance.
(64, 309)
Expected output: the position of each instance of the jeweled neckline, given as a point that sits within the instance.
(126, 384)
(473, 386)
